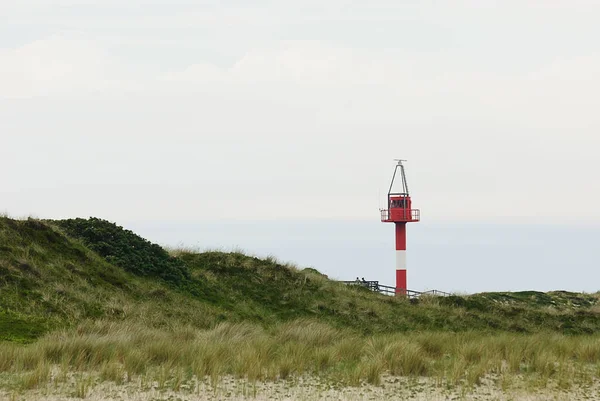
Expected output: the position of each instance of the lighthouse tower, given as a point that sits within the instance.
(399, 211)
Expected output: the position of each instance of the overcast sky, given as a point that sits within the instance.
(156, 110)
(287, 109)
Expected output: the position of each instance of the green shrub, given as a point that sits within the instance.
(125, 249)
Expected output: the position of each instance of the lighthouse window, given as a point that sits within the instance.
(398, 203)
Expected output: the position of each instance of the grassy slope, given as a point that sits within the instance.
(50, 280)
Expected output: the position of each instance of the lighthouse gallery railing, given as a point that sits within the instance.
(410, 214)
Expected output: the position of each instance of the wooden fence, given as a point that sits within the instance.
(387, 290)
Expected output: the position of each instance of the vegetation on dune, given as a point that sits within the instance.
(269, 291)
(122, 351)
(48, 281)
(91, 296)
(54, 274)
(125, 249)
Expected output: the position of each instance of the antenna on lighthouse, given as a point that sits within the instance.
(402, 175)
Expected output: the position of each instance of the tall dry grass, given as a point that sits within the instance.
(119, 352)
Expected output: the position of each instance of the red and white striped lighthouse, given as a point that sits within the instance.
(399, 211)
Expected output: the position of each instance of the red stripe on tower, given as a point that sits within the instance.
(401, 236)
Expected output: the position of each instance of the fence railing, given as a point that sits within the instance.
(387, 290)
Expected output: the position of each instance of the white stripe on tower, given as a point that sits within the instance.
(401, 260)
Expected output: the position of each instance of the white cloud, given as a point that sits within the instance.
(434, 83)
(58, 64)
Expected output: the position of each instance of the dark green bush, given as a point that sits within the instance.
(125, 249)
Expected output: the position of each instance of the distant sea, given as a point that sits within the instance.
(464, 258)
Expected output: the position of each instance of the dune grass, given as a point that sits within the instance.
(120, 352)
